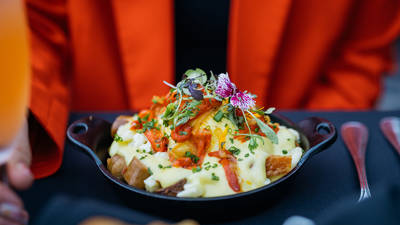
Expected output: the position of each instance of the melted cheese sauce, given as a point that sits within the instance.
(210, 181)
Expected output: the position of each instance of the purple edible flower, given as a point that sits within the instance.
(242, 100)
(225, 88)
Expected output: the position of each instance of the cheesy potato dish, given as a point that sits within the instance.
(205, 138)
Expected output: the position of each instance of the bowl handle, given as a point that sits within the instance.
(92, 135)
(320, 133)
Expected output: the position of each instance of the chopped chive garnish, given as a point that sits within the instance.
(117, 138)
(234, 150)
(252, 151)
(214, 177)
(193, 157)
(218, 116)
(196, 169)
(253, 144)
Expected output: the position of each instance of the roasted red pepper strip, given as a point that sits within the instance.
(136, 125)
(184, 162)
(157, 141)
(228, 162)
(170, 97)
(206, 105)
(274, 126)
(181, 133)
(146, 115)
(253, 127)
(221, 154)
(202, 141)
(229, 168)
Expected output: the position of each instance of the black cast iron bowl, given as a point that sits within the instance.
(92, 135)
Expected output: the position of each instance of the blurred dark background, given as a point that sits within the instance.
(202, 31)
(390, 99)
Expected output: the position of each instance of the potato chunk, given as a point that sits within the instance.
(276, 165)
(119, 121)
(116, 165)
(172, 190)
(136, 173)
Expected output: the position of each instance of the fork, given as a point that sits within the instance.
(355, 136)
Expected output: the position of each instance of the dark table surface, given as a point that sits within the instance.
(325, 179)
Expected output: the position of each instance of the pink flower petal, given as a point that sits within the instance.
(225, 88)
(242, 100)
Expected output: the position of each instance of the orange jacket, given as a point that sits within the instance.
(112, 55)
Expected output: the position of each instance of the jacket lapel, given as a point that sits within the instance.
(145, 35)
(255, 31)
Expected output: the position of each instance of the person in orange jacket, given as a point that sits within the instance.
(112, 55)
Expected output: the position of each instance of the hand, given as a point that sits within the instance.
(19, 176)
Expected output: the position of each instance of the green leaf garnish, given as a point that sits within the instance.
(183, 120)
(197, 74)
(269, 110)
(266, 130)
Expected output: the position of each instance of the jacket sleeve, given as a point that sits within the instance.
(353, 78)
(49, 88)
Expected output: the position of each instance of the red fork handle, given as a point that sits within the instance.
(355, 136)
